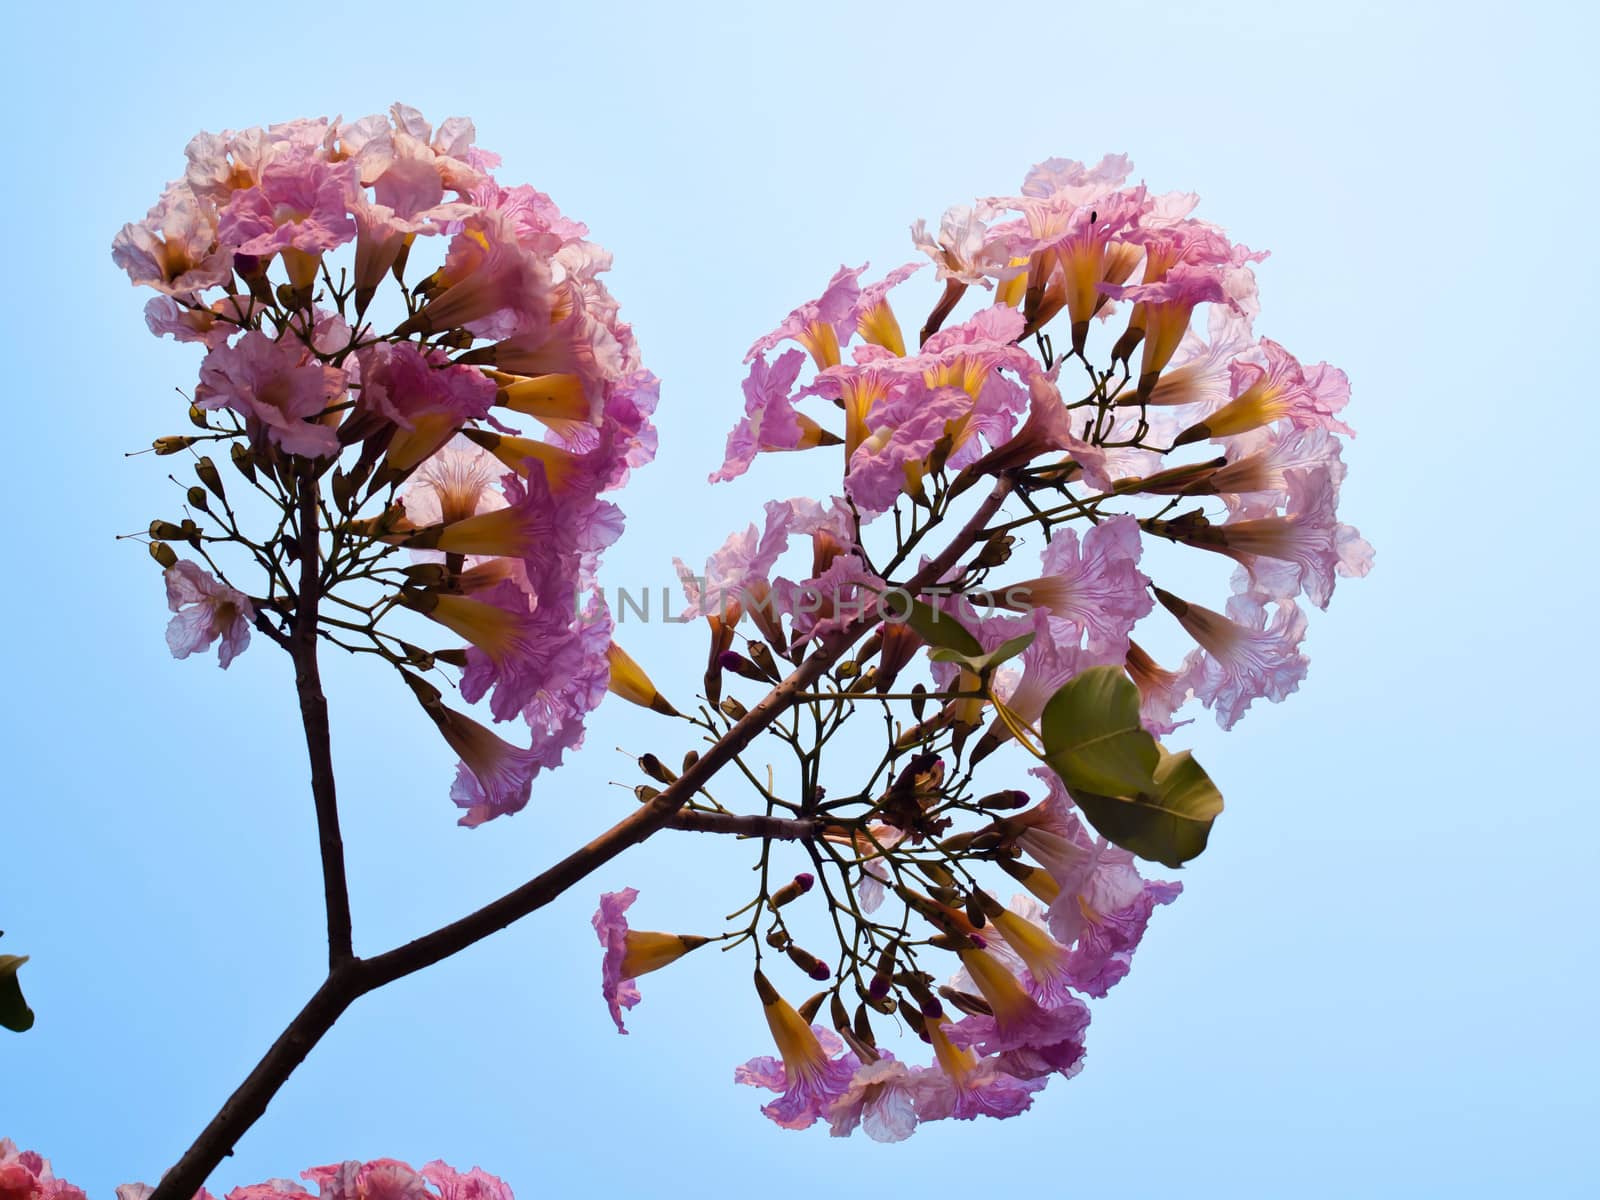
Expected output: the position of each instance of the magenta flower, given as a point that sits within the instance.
(965, 1086)
(813, 1073)
(278, 388)
(207, 610)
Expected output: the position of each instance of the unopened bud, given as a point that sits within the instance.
(847, 670)
(197, 417)
(887, 1005)
(761, 655)
(732, 660)
(778, 937)
(163, 554)
(165, 530)
(919, 700)
(996, 551)
(690, 758)
(207, 472)
(975, 911)
(172, 443)
(644, 793)
(1009, 798)
(973, 1006)
(197, 498)
(733, 709)
(655, 768)
(808, 962)
(452, 657)
(808, 1010)
(427, 575)
(243, 461)
(793, 890)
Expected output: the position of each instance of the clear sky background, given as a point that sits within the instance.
(1381, 978)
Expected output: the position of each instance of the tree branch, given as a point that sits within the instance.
(314, 716)
(351, 978)
(782, 829)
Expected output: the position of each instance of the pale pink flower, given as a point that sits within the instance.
(880, 1100)
(1243, 655)
(175, 248)
(277, 387)
(813, 1072)
(489, 284)
(821, 325)
(207, 610)
(771, 421)
(300, 203)
(1094, 586)
(164, 315)
(611, 925)
(965, 1086)
(906, 428)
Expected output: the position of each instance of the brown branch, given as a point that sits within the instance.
(352, 978)
(782, 829)
(314, 716)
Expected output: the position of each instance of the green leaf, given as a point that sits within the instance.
(985, 663)
(1093, 738)
(1169, 824)
(14, 1011)
(940, 629)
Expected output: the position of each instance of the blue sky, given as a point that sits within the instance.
(1379, 979)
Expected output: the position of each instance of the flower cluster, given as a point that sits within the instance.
(27, 1176)
(402, 354)
(1165, 438)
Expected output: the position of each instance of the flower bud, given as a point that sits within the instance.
(808, 1010)
(165, 530)
(690, 757)
(973, 1006)
(732, 660)
(1009, 798)
(733, 709)
(655, 768)
(644, 793)
(808, 962)
(197, 498)
(163, 554)
(761, 655)
(207, 472)
(793, 890)
(172, 444)
(778, 937)
(243, 461)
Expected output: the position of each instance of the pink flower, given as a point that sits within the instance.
(1103, 905)
(207, 610)
(874, 319)
(1095, 588)
(301, 204)
(771, 421)
(1042, 1036)
(175, 248)
(893, 459)
(880, 1100)
(164, 315)
(1244, 657)
(813, 1074)
(380, 1179)
(489, 284)
(278, 388)
(965, 1086)
(821, 325)
(611, 925)
(475, 1184)
(26, 1175)
(1279, 390)
(419, 391)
